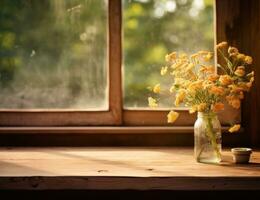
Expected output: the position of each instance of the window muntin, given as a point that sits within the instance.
(53, 54)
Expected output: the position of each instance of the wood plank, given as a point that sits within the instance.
(99, 130)
(108, 136)
(159, 117)
(122, 168)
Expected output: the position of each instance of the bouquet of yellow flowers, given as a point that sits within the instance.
(205, 89)
(201, 86)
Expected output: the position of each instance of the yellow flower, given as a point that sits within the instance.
(196, 85)
(241, 56)
(172, 88)
(234, 128)
(171, 57)
(203, 52)
(207, 84)
(252, 79)
(222, 45)
(238, 88)
(225, 80)
(241, 95)
(180, 97)
(172, 116)
(191, 75)
(213, 77)
(235, 103)
(202, 107)
(152, 102)
(240, 71)
(233, 51)
(251, 74)
(249, 84)
(157, 88)
(194, 56)
(242, 86)
(248, 60)
(193, 109)
(217, 107)
(179, 81)
(183, 56)
(207, 57)
(164, 70)
(217, 90)
(189, 67)
(177, 65)
(207, 69)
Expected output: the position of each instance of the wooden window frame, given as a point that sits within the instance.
(59, 117)
(115, 119)
(148, 117)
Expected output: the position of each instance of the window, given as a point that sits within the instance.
(54, 59)
(61, 65)
(154, 28)
(56, 63)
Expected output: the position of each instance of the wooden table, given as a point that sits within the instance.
(122, 168)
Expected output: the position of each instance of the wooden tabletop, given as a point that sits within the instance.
(122, 168)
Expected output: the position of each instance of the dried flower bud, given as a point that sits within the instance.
(225, 80)
(234, 128)
(171, 57)
(157, 88)
(222, 45)
(217, 107)
(240, 71)
(164, 70)
(152, 102)
(172, 116)
(248, 60)
(233, 50)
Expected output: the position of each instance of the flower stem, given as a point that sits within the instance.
(212, 136)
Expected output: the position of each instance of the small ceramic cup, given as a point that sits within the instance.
(241, 155)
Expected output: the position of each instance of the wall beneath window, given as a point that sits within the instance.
(238, 22)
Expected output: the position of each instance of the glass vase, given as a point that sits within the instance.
(207, 138)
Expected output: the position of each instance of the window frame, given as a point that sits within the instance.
(149, 117)
(115, 115)
(59, 117)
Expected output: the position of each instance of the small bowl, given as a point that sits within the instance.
(241, 155)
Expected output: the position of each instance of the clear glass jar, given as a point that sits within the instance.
(207, 138)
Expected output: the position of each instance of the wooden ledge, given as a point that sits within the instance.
(122, 169)
(101, 130)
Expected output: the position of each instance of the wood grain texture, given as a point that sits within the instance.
(122, 168)
(115, 60)
(159, 117)
(108, 136)
(238, 22)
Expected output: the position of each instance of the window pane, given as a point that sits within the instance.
(153, 28)
(53, 54)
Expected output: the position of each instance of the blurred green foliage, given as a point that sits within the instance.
(53, 53)
(153, 28)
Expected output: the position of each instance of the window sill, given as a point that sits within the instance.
(122, 169)
(108, 136)
(101, 130)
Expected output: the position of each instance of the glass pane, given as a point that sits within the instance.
(153, 28)
(53, 54)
